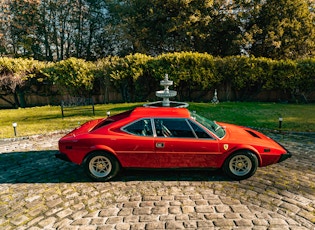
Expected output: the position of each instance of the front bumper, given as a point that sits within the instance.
(62, 156)
(285, 156)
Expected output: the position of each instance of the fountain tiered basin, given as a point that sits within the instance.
(165, 95)
(168, 94)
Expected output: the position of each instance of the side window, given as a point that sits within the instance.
(199, 131)
(141, 128)
(173, 128)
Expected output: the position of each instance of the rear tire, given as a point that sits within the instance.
(241, 165)
(101, 166)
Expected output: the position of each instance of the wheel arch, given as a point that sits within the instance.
(248, 160)
(102, 149)
(101, 165)
(246, 148)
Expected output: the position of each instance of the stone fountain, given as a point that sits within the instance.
(166, 94)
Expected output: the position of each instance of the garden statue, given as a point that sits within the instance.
(215, 99)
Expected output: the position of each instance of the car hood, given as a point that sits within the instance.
(246, 135)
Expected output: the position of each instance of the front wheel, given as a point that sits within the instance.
(101, 166)
(241, 165)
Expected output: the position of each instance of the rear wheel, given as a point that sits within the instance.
(101, 166)
(241, 165)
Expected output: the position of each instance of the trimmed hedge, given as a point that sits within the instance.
(74, 76)
(136, 77)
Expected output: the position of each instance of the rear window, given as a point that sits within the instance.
(103, 123)
(112, 119)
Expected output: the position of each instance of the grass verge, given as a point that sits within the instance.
(40, 120)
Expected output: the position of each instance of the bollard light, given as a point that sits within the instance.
(108, 113)
(14, 128)
(280, 122)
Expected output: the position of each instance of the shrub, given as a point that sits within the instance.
(74, 76)
(137, 76)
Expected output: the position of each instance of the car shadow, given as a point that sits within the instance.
(38, 167)
(44, 167)
(171, 175)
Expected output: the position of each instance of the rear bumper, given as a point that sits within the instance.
(62, 156)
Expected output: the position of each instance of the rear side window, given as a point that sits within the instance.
(141, 127)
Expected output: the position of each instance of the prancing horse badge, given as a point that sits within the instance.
(225, 146)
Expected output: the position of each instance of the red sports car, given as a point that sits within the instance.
(166, 137)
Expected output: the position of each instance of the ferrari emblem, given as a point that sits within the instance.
(225, 146)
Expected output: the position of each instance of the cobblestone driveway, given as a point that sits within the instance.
(38, 191)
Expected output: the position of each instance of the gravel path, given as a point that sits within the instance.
(38, 191)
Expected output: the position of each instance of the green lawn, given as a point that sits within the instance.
(299, 118)
(40, 120)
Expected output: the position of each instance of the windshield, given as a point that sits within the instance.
(211, 125)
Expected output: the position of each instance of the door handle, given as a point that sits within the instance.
(159, 145)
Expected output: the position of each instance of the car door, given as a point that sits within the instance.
(136, 149)
(180, 143)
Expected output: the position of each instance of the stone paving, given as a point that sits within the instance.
(38, 191)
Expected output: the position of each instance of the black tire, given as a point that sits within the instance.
(241, 165)
(101, 166)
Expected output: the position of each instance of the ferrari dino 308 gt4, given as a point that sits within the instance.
(164, 137)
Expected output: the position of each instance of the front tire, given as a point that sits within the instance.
(101, 166)
(241, 165)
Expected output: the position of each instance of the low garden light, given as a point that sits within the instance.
(14, 128)
(280, 122)
(108, 113)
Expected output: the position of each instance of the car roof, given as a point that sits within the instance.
(160, 112)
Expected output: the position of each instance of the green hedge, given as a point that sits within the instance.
(137, 76)
(74, 76)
